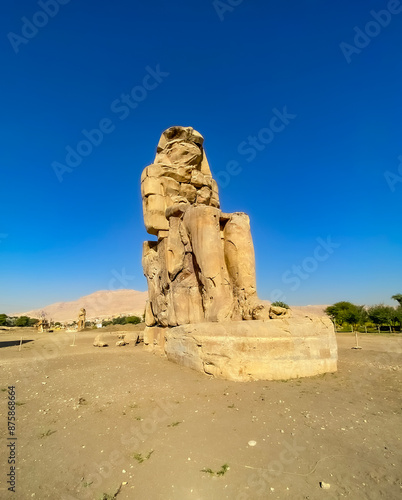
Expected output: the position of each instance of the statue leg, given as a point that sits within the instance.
(202, 224)
(240, 262)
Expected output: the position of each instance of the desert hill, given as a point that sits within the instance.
(99, 305)
(109, 303)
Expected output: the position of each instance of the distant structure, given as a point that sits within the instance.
(202, 283)
(43, 323)
(81, 319)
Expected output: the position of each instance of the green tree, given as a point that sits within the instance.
(346, 312)
(4, 320)
(338, 311)
(133, 319)
(398, 298)
(279, 303)
(398, 315)
(357, 315)
(120, 321)
(22, 321)
(381, 314)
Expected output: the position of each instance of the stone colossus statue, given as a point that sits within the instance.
(202, 266)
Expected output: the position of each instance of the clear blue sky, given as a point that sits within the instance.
(330, 169)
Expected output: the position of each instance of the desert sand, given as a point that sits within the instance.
(130, 424)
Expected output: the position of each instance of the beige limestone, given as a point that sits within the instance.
(100, 342)
(81, 319)
(203, 309)
(278, 312)
(202, 266)
(286, 348)
(42, 325)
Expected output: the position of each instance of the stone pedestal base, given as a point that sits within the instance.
(277, 349)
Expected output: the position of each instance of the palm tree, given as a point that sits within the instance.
(398, 298)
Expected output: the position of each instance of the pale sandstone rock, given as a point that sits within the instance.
(201, 270)
(170, 186)
(133, 338)
(188, 192)
(255, 350)
(198, 179)
(173, 134)
(82, 319)
(152, 185)
(278, 312)
(220, 283)
(99, 342)
(149, 315)
(204, 195)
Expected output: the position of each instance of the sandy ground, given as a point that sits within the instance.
(121, 422)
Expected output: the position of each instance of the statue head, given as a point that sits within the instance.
(180, 146)
(176, 133)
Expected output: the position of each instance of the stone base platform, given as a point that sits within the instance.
(277, 349)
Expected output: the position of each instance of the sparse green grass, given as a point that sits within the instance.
(86, 484)
(174, 424)
(133, 405)
(231, 406)
(19, 403)
(3, 389)
(47, 433)
(140, 459)
(221, 472)
(106, 496)
(208, 471)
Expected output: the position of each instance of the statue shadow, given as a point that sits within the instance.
(10, 343)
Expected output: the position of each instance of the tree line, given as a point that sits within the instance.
(27, 321)
(380, 315)
(17, 321)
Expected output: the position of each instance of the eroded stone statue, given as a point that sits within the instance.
(202, 266)
(202, 284)
(81, 319)
(42, 325)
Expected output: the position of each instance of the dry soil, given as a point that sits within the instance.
(121, 422)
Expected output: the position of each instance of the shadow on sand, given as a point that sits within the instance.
(9, 343)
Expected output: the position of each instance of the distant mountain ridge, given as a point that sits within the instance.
(108, 303)
(98, 305)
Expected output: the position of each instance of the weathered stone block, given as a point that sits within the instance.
(151, 185)
(258, 350)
